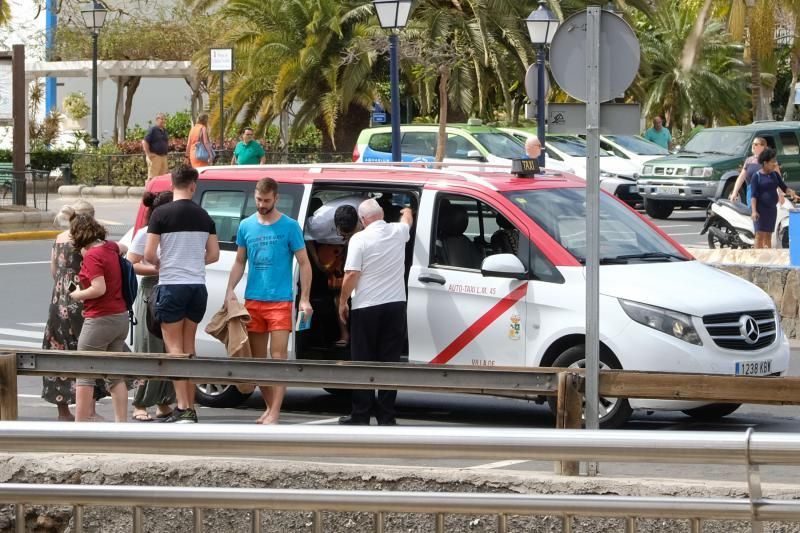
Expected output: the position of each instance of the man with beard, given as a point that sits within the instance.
(268, 239)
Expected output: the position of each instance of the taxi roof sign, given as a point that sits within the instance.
(525, 167)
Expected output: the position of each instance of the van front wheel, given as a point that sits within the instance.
(614, 412)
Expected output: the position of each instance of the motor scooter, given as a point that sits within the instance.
(729, 225)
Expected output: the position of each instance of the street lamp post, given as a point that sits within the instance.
(393, 15)
(542, 26)
(94, 16)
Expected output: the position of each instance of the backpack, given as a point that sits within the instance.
(130, 287)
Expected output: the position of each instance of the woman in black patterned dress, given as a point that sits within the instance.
(65, 316)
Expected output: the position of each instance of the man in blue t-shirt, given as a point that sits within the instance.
(268, 240)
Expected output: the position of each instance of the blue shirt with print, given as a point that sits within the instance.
(270, 249)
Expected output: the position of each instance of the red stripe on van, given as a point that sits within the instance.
(469, 334)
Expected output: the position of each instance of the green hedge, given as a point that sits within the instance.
(44, 160)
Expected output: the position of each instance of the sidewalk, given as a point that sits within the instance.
(117, 214)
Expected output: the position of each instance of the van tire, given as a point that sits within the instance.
(219, 395)
(713, 411)
(658, 209)
(621, 411)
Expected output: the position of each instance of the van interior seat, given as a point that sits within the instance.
(455, 248)
(502, 241)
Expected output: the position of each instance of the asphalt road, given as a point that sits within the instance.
(25, 291)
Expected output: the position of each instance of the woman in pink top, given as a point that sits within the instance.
(105, 314)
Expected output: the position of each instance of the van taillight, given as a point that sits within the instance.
(356, 155)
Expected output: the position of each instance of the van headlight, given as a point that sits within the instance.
(647, 169)
(679, 325)
(703, 172)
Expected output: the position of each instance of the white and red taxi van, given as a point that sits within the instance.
(495, 276)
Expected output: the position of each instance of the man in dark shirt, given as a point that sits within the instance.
(181, 241)
(156, 146)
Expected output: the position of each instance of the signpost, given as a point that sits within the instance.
(608, 48)
(221, 61)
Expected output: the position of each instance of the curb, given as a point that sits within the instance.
(101, 191)
(29, 235)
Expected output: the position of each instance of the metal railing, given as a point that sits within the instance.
(29, 188)
(747, 449)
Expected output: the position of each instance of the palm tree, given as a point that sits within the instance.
(713, 85)
(290, 51)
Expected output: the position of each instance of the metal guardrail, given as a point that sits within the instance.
(748, 449)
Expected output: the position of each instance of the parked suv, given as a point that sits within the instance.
(495, 277)
(706, 167)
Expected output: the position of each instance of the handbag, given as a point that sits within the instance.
(200, 152)
(153, 324)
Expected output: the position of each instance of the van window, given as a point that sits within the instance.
(421, 143)
(381, 142)
(289, 197)
(228, 207)
(468, 230)
(789, 142)
(225, 209)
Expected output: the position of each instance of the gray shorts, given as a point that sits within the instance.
(104, 334)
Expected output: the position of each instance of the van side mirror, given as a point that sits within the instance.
(474, 154)
(503, 266)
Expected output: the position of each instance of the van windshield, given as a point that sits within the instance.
(500, 144)
(624, 236)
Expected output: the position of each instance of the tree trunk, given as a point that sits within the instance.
(755, 70)
(689, 53)
(131, 84)
(441, 142)
(349, 126)
(795, 63)
(117, 105)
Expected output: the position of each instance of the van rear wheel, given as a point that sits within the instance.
(614, 412)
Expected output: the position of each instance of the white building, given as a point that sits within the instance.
(28, 22)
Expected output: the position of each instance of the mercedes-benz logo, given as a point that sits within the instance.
(748, 327)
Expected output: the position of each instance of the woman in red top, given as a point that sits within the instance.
(106, 317)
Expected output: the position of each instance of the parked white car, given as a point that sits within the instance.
(632, 147)
(617, 175)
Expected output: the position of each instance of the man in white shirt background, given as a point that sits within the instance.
(375, 276)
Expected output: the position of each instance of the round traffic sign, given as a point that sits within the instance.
(619, 56)
(532, 83)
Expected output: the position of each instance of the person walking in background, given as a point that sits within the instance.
(156, 147)
(198, 147)
(533, 147)
(188, 240)
(659, 134)
(106, 316)
(269, 240)
(248, 151)
(764, 189)
(149, 392)
(65, 315)
(750, 167)
(374, 273)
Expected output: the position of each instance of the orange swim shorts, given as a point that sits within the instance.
(269, 316)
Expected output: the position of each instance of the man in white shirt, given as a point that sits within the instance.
(375, 276)
(321, 227)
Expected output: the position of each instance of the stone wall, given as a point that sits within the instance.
(770, 270)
